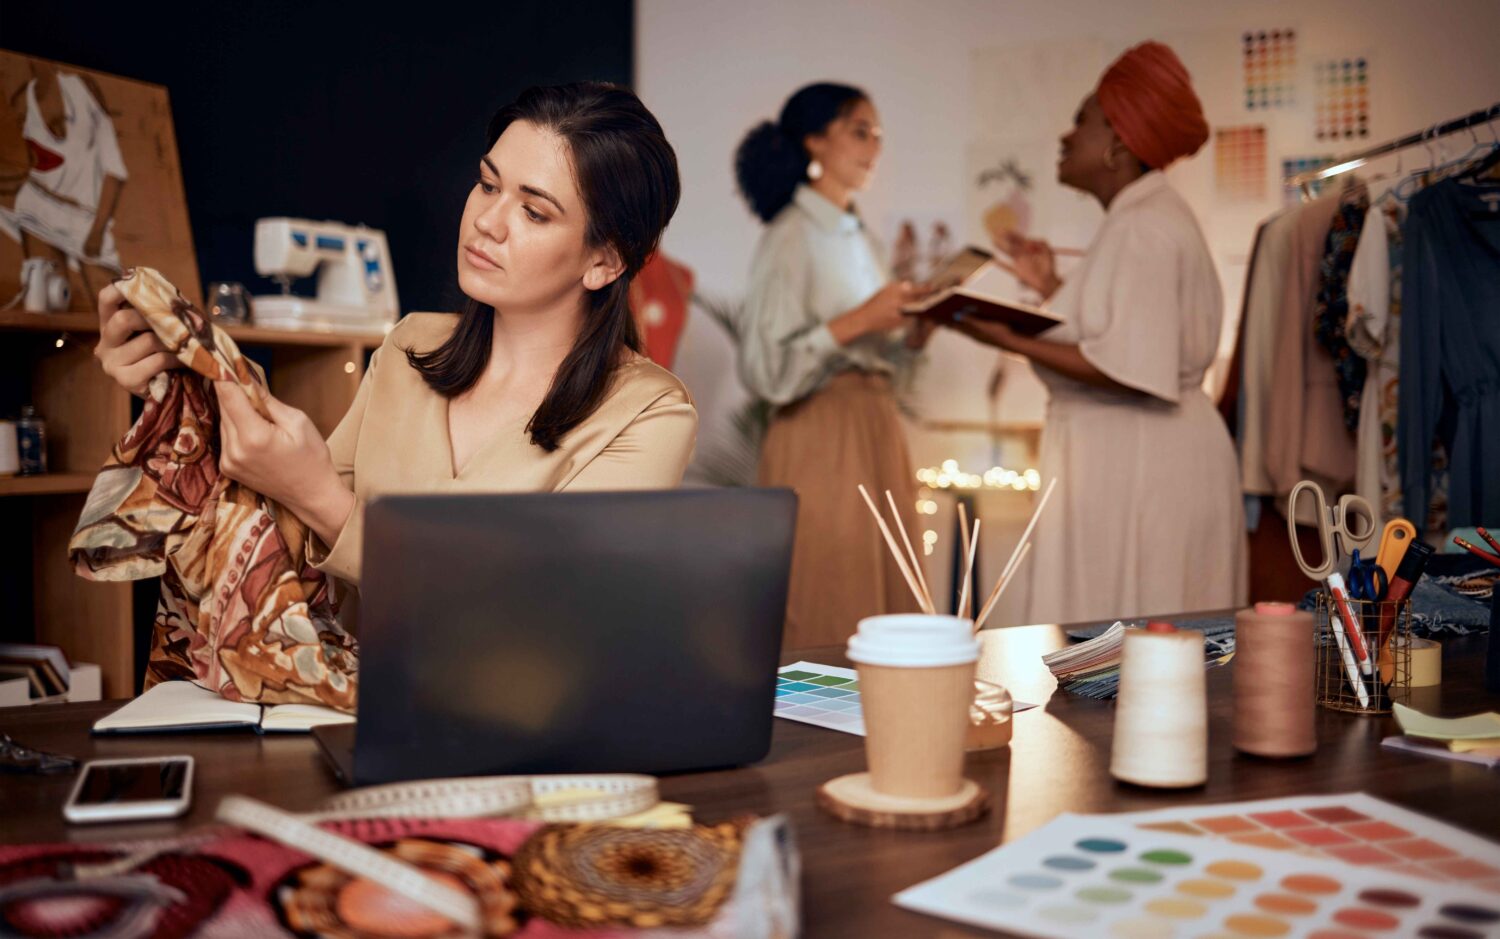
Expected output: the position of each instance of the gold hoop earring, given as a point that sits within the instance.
(814, 170)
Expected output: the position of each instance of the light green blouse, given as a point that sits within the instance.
(814, 263)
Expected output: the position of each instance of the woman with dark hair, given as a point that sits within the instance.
(1148, 518)
(823, 339)
(537, 385)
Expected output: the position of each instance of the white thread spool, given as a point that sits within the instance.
(1161, 717)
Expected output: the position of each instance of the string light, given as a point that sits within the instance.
(949, 475)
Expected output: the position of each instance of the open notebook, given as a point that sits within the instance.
(184, 706)
(972, 284)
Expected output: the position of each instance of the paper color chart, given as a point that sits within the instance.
(1342, 106)
(1350, 827)
(1292, 166)
(825, 695)
(1270, 65)
(1240, 162)
(1093, 875)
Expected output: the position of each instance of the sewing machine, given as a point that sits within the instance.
(356, 286)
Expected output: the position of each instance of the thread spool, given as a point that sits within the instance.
(1275, 681)
(1161, 717)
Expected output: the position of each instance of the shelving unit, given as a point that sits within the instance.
(86, 414)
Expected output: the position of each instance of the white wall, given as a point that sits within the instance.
(710, 69)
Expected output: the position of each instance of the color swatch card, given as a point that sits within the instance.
(1350, 827)
(825, 695)
(1342, 106)
(1095, 875)
(1270, 64)
(828, 696)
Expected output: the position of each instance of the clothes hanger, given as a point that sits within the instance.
(1484, 165)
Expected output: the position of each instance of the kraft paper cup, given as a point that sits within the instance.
(916, 681)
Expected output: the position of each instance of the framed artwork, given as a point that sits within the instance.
(89, 180)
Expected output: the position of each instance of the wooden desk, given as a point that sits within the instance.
(1058, 762)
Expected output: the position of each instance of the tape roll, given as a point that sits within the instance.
(1426, 663)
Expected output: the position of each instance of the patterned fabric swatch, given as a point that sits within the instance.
(241, 611)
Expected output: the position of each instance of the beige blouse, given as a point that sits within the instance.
(395, 440)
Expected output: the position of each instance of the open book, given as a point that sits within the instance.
(183, 706)
(972, 284)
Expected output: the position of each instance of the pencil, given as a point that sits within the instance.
(1477, 552)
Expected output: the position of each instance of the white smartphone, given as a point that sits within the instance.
(125, 790)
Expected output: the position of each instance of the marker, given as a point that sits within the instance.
(1408, 572)
(1340, 593)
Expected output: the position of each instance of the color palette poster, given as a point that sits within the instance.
(1240, 163)
(1350, 827)
(1270, 67)
(1295, 165)
(1341, 88)
(1094, 875)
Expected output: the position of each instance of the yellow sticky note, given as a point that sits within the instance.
(1474, 727)
(1465, 746)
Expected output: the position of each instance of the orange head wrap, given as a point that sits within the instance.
(1147, 97)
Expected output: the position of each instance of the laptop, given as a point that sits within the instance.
(567, 633)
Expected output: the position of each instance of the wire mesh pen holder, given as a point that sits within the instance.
(1390, 678)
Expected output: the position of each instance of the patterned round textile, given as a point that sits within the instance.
(595, 875)
(324, 901)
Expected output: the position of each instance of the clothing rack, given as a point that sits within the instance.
(1354, 161)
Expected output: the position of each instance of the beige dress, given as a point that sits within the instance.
(395, 439)
(837, 423)
(1147, 516)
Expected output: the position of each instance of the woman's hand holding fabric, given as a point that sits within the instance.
(284, 459)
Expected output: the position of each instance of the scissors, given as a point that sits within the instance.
(1350, 522)
(1366, 579)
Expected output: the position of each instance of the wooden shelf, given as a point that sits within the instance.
(50, 322)
(46, 484)
(250, 335)
(254, 335)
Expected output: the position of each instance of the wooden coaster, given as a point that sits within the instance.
(851, 799)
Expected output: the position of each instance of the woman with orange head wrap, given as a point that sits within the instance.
(1150, 519)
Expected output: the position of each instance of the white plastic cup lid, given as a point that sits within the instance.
(913, 641)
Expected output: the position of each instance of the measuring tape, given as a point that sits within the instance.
(538, 798)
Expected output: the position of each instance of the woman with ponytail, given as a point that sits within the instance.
(823, 339)
(536, 385)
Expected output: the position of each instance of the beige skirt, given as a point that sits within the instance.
(847, 433)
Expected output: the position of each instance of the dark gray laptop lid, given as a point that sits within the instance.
(589, 632)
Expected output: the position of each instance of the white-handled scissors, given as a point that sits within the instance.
(1343, 527)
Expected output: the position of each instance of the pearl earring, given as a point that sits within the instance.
(814, 170)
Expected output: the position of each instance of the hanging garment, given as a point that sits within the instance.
(1331, 306)
(1450, 349)
(241, 611)
(1263, 299)
(1373, 330)
(1305, 435)
(1147, 516)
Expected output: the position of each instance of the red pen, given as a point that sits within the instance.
(1476, 551)
(1351, 625)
